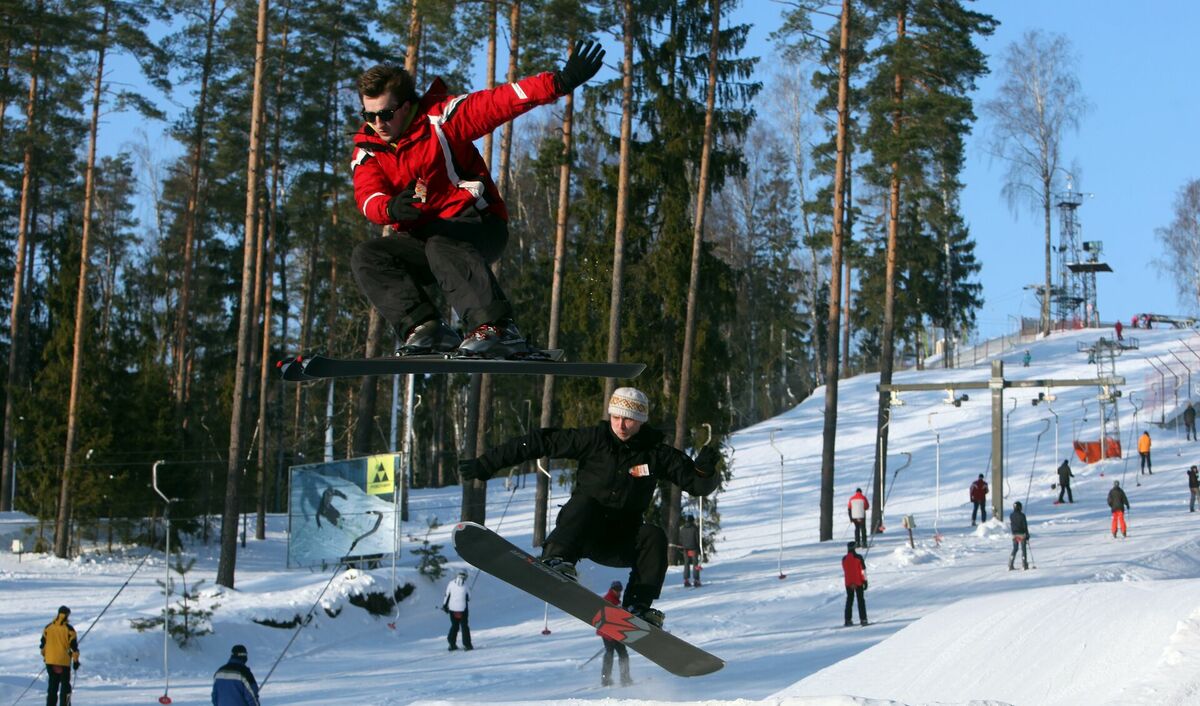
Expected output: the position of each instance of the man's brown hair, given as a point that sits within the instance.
(387, 78)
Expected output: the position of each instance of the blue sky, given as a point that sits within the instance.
(1137, 147)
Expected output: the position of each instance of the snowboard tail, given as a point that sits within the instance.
(490, 552)
(319, 367)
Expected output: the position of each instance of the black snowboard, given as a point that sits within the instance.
(492, 553)
(319, 367)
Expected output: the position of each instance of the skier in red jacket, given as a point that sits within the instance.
(610, 646)
(417, 171)
(979, 491)
(855, 569)
(857, 510)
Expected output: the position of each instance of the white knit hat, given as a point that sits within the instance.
(629, 402)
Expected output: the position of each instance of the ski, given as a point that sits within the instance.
(490, 552)
(319, 367)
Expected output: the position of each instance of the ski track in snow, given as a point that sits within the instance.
(1098, 621)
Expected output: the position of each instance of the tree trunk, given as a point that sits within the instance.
(887, 349)
(63, 522)
(847, 237)
(183, 305)
(14, 330)
(229, 518)
(829, 434)
(492, 10)
(622, 215)
(689, 330)
(560, 246)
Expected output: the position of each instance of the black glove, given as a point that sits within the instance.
(864, 584)
(707, 460)
(583, 63)
(470, 469)
(445, 610)
(76, 665)
(400, 207)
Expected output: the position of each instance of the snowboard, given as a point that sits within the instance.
(319, 367)
(490, 552)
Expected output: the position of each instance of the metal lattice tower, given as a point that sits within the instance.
(1068, 296)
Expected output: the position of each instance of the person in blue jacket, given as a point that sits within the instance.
(234, 684)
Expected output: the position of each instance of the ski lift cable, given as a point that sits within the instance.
(1033, 466)
(308, 616)
(95, 620)
(781, 463)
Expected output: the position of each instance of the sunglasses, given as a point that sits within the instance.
(384, 115)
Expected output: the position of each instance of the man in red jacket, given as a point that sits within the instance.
(610, 646)
(857, 510)
(855, 569)
(979, 491)
(417, 171)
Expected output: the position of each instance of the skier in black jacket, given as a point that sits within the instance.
(1020, 536)
(1193, 475)
(1064, 482)
(620, 463)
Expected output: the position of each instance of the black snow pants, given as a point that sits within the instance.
(397, 273)
(612, 537)
(851, 593)
(455, 624)
(59, 691)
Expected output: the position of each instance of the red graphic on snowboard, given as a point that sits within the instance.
(617, 624)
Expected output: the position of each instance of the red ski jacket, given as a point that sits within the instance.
(855, 569)
(437, 151)
(979, 491)
(858, 506)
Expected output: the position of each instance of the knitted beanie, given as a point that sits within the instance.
(629, 402)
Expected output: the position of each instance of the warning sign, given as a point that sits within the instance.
(381, 474)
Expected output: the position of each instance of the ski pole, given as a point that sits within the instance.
(589, 659)
(1029, 550)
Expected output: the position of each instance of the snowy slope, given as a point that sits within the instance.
(1098, 621)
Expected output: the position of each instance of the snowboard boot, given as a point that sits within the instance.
(453, 648)
(651, 615)
(1010, 566)
(499, 339)
(848, 624)
(432, 336)
(562, 566)
(687, 584)
(697, 584)
(605, 680)
(864, 623)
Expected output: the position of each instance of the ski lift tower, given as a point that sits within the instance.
(1086, 273)
(1068, 297)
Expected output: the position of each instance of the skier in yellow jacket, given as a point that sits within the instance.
(60, 651)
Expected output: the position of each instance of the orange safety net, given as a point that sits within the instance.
(1089, 451)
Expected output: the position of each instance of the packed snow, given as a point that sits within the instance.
(1099, 620)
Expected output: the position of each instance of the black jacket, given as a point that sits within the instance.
(1193, 479)
(689, 536)
(1117, 499)
(1064, 474)
(1189, 415)
(1017, 522)
(619, 475)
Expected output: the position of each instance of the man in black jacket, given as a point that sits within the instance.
(620, 463)
(1020, 536)
(1193, 475)
(1064, 482)
(1118, 502)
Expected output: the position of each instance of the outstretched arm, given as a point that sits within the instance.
(553, 443)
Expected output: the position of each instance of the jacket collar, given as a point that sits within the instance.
(368, 139)
(646, 437)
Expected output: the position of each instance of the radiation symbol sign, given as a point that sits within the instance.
(381, 474)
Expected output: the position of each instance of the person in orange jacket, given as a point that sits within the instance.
(60, 650)
(610, 646)
(1144, 452)
(857, 510)
(855, 569)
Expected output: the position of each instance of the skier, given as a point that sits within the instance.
(1026, 358)
(1064, 483)
(854, 567)
(1189, 422)
(1193, 486)
(234, 684)
(1144, 452)
(60, 652)
(621, 462)
(979, 491)
(610, 646)
(857, 510)
(1118, 327)
(689, 540)
(458, 596)
(416, 169)
(1118, 503)
(1020, 536)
